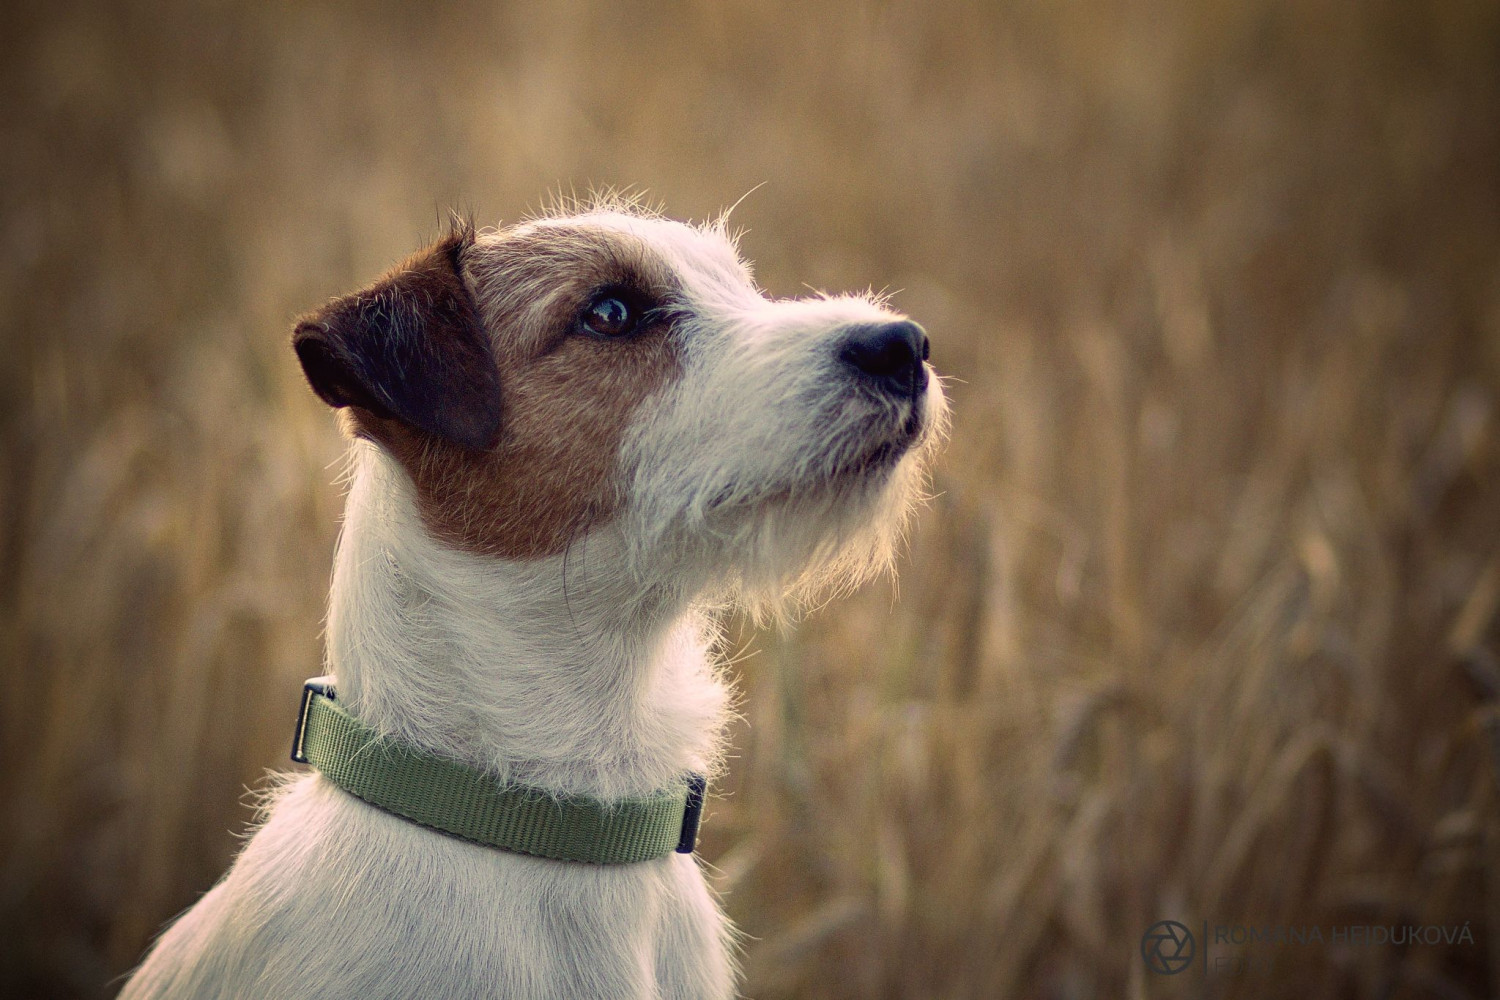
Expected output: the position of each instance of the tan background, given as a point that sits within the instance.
(1202, 624)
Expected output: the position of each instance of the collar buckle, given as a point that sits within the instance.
(692, 816)
(315, 685)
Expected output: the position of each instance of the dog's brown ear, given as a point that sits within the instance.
(411, 348)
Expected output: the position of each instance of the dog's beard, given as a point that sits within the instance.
(825, 541)
(825, 525)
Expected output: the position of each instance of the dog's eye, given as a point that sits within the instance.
(609, 316)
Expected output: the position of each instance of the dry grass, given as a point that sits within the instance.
(1203, 624)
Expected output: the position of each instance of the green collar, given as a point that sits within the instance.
(460, 799)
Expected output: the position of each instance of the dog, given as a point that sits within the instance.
(574, 442)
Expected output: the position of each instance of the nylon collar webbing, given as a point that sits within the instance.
(461, 800)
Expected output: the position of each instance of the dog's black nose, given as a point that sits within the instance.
(889, 354)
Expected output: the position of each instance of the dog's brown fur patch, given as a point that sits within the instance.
(566, 397)
(409, 347)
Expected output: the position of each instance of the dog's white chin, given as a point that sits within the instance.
(787, 549)
(796, 553)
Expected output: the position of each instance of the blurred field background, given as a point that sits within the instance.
(1202, 624)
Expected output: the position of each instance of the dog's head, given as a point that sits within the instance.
(613, 368)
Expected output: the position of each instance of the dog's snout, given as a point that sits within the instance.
(890, 354)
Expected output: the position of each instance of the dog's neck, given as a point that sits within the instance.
(555, 672)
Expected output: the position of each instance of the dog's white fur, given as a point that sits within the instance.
(587, 672)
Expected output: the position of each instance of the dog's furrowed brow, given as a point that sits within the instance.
(530, 283)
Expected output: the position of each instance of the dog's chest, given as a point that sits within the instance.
(333, 898)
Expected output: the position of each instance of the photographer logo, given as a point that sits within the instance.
(1168, 947)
